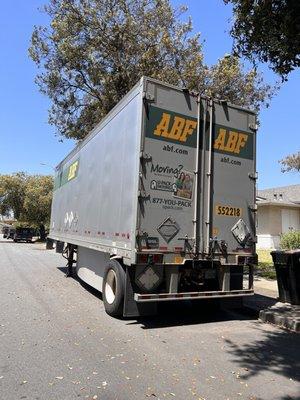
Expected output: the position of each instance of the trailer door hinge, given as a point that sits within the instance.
(253, 207)
(142, 194)
(253, 126)
(145, 156)
(253, 175)
(149, 97)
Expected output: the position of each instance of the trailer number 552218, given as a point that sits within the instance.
(228, 211)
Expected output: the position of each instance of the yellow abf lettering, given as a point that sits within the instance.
(178, 129)
(230, 141)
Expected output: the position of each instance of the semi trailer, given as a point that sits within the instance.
(157, 203)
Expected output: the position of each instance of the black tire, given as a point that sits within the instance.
(113, 289)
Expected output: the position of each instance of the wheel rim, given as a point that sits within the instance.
(110, 286)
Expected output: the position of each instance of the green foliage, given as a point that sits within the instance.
(227, 80)
(24, 224)
(38, 197)
(291, 163)
(94, 51)
(268, 31)
(27, 196)
(12, 193)
(290, 240)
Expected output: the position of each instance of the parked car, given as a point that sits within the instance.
(10, 233)
(5, 231)
(23, 234)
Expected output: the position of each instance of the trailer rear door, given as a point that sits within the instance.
(229, 180)
(176, 212)
(167, 195)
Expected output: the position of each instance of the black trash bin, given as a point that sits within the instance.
(295, 276)
(280, 260)
(287, 266)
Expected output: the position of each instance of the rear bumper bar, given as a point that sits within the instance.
(191, 295)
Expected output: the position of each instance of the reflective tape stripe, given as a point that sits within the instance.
(191, 295)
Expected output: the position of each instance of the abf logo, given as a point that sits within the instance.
(230, 141)
(73, 170)
(180, 129)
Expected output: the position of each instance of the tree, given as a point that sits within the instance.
(268, 31)
(28, 196)
(227, 80)
(37, 202)
(94, 51)
(291, 163)
(12, 193)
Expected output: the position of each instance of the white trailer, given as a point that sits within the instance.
(158, 201)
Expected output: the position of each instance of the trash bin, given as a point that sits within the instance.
(287, 266)
(295, 276)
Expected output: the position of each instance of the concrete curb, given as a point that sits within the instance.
(283, 315)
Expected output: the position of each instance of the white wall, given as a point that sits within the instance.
(272, 221)
(290, 219)
(268, 242)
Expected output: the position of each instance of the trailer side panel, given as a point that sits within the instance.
(95, 197)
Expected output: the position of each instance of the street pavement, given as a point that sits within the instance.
(57, 343)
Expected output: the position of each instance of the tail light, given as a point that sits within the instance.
(142, 258)
(150, 259)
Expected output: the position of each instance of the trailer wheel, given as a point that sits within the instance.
(113, 289)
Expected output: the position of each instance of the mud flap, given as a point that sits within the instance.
(131, 307)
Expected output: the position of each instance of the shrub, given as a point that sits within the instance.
(290, 240)
(265, 268)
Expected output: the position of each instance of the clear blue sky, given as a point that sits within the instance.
(26, 139)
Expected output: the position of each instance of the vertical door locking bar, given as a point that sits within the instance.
(198, 182)
(209, 179)
(201, 195)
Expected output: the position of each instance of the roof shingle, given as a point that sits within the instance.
(287, 194)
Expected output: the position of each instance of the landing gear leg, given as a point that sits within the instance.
(71, 261)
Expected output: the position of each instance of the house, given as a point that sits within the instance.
(278, 212)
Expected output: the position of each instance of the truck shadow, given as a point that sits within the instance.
(87, 287)
(183, 312)
(254, 304)
(278, 352)
(189, 313)
(287, 397)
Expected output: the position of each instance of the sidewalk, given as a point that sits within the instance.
(266, 287)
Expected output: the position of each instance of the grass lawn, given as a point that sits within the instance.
(265, 266)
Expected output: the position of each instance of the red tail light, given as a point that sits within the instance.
(142, 258)
(150, 259)
(158, 258)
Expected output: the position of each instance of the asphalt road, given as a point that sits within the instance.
(56, 342)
